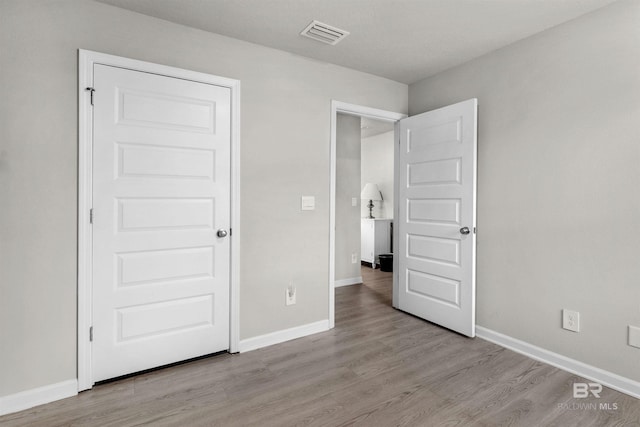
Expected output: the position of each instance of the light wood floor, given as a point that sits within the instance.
(378, 367)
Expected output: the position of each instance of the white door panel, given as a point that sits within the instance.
(437, 193)
(161, 190)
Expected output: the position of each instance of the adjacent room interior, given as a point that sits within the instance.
(364, 176)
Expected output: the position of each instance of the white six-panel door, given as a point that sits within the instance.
(161, 192)
(437, 216)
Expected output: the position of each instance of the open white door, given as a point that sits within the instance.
(161, 193)
(437, 216)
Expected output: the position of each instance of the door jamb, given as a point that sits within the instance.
(86, 61)
(360, 111)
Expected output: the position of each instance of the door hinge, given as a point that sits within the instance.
(91, 333)
(92, 90)
(91, 216)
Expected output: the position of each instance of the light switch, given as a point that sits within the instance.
(354, 201)
(308, 203)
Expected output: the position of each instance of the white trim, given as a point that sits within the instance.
(234, 294)
(85, 236)
(37, 396)
(283, 335)
(86, 61)
(396, 214)
(609, 379)
(348, 282)
(355, 110)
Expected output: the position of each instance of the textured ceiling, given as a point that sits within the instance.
(403, 40)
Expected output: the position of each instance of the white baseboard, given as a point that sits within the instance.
(609, 379)
(347, 282)
(37, 396)
(282, 336)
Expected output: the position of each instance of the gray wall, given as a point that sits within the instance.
(558, 177)
(377, 167)
(347, 186)
(284, 155)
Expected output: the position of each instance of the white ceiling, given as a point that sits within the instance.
(403, 40)
(372, 127)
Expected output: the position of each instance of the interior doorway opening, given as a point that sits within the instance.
(377, 192)
(349, 124)
(364, 196)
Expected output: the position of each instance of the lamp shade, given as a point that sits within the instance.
(370, 192)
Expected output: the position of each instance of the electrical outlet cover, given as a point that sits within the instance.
(290, 295)
(634, 336)
(571, 320)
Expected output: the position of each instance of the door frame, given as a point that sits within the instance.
(86, 60)
(360, 111)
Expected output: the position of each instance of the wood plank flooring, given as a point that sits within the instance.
(378, 367)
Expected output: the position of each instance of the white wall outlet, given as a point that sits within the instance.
(354, 201)
(634, 336)
(354, 257)
(571, 320)
(290, 294)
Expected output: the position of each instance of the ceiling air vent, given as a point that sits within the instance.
(324, 33)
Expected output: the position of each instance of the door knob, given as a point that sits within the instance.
(464, 230)
(222, 233)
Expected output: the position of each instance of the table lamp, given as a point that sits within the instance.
(370, 192)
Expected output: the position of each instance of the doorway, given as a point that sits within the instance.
(359, 112)
(434, 214)
(364, 196)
